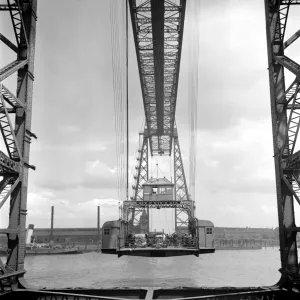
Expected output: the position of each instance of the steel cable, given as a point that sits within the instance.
(193, 58)
(118, 42)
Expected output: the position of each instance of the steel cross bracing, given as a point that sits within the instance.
(182, 216)
(16, 135)
(285, 123)
(158, 30)
(184, 207)
(140, 177)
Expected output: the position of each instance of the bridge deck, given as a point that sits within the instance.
(163, 252)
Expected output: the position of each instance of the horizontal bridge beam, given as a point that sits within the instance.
(292, 39)
(158, 203)
(9, 275)
(6, 7)
(158, 33)
(289, 64)
(11, 68)
(8, 230)
(293, 160)
(293, 229)
(11, 98)
(8, 165)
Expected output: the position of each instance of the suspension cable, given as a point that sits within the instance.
(119, 66)
(127, 104)
(193, 58)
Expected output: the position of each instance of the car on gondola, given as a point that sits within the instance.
(140, 240)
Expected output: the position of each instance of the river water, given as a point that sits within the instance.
(238, 268)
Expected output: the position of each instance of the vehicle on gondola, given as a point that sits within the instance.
(140, 240)
(160, 241)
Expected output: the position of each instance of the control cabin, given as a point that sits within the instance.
(158, 189)
(113, 236)
(205, 233)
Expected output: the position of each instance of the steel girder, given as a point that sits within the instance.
(285, 124)
(185, 205)
(140, 177)
(17, 137)
(158, 31)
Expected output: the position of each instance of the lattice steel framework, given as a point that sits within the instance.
(158, 30)
(17, 136)
(285, 124)
(184, 208)
(181, 191)
(140, 177)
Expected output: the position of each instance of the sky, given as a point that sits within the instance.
(73, 115)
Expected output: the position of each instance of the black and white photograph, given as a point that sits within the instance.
(148, 149)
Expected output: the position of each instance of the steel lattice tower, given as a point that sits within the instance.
(158, 31)
(181, 191)
(14, 165)
(285, 124)
(142, 175)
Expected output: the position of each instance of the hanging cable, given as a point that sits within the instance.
(119, 66)
(193, 90)
(127, 105)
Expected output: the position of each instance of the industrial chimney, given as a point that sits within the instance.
(52, 219)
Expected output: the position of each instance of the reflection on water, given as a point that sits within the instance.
(95, 270)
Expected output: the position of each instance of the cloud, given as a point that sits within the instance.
(228, 161)
(58, 185)
(74, 121)
(269, 209)
(104, 202)
(98, 168)
(83, 147)
(69, 129)
(230, 86)
(95, 175)
(231, 209)
(66, 212)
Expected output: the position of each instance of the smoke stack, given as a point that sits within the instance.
(52, 217)
(98, 222)
(29, 233)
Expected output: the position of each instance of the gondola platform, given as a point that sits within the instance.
(163, 252)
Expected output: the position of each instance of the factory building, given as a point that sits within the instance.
(62, 235)
(90, 235)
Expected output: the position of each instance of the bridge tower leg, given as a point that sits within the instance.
(285, 126)
(181, 190)
(141, 177)
(17, 137)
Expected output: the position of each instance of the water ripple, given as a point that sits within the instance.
(95, 270)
